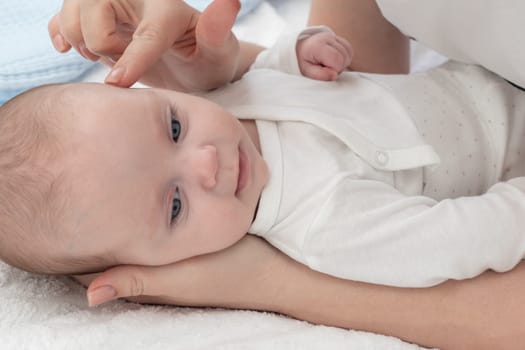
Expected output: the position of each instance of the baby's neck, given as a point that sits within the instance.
(251, 129)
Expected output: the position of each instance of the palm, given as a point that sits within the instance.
(203, 55)
(194, 63)
(228, 278)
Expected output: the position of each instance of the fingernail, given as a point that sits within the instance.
(116, 74)
(101, 295)
(59, 43)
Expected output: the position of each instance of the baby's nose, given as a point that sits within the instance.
(204, 166)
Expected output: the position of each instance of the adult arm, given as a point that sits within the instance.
(482, 313)
(379, 47)
(487, 32)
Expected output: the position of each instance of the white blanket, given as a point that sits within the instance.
(39, 312)
(43, 312)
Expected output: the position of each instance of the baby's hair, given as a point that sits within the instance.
(28, 194)
(33, 198)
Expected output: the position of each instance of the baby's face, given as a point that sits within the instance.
(157, 176)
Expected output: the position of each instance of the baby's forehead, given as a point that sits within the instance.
(104, 99)
(51, 105)
(85, 106)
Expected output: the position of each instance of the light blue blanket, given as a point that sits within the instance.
(28, 58)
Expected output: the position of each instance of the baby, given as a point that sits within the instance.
(94, 176)
(398, 180)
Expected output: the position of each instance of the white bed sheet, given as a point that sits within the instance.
(43, 312)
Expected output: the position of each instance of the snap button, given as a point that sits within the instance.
(381, 158)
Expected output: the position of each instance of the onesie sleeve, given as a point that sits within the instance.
(368, 231)
(282, 55)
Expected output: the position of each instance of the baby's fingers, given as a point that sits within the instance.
(325, 64)
(346, 48)
(334, 55)
(319, 72)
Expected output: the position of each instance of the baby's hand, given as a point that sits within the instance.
(323, 56)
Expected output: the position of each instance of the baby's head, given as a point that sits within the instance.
(93, 176)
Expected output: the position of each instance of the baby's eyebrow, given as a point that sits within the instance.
(156, 106)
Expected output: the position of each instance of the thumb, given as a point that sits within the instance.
(119, 282)
(216, 22)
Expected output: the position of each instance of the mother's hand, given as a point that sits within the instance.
(481, 313)
(242, 276)
(164, 43)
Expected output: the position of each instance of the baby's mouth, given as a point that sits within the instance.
(243, 172)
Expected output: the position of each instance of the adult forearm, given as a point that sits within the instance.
(483, 313)
(379, 46)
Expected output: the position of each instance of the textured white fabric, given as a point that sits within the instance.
(50, 313)
(341, 210)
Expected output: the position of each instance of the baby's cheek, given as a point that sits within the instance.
(235, 224)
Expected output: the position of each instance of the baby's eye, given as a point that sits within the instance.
(175, 128)
(176, 205)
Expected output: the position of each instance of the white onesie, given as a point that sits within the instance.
(355, 188)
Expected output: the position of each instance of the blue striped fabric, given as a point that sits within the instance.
(28, 58)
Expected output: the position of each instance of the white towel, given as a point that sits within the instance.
(50, 313)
